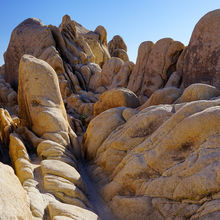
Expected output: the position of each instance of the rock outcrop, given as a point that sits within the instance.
(42, 110)
(80, 45)
(39, 97)
(201, 61)
(139, 70)
(75, 53)
(13, 199)
(91, 135)
(29, 37)
(161, 155)
(118, 48)
(155, 64)
(161, 63)
(115, 73)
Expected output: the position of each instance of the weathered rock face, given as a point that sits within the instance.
(201, 61)
(198, 91)
(60, 211)
(95, 135)
(161, 63)
(117, 42)
(162, 156)
(39, 97)
(77, 64)
(174, 80)
(80, 45)
(7, 125)
(121, 78)
(109, 70)
(118, 48)
(13, 199)
(120, 53)
(124, 136)
(115, 73)
(42, 110)
(162, 96)
(20, 158)
(115, 98)
(155, 64)
(99, 47)
(159, 160)
(136, 78)
(83, 64)
(29, 37)
(83, 52)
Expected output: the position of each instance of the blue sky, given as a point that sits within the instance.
(135, 20)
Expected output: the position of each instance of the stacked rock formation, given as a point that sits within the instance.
(147, 160)
(118, 48)
(55, 179)
(155, 66)
(91, 135)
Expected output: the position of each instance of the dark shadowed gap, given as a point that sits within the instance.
(4, 154)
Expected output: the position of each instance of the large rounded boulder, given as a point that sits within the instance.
(29, 37)
(115, 98)
(202, 58)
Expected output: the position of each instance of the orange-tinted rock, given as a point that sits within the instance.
(120, 53)
(117, 42)
(101, 31)
(116, 98)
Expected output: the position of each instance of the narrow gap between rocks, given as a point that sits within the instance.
(99, 206)
(4, 154)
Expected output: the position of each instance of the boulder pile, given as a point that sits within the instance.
(87, 134)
